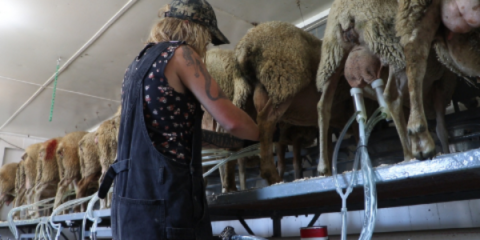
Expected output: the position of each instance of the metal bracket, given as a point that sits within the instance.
(277, 226)
(245, 225)
(314, 219)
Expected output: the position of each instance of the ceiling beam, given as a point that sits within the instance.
(314, 21)
(85, 46)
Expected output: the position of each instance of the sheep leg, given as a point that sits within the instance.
(62, 188)
(324, 108)
(39, 189)
(19, 199)
(223, 179)
(416, 50)
(267, 120)
(241, 173)
(280, 150)
(394, 100)
(85, 184)
(297, 160)
(81, 192)
(439, 105)
(229, 182)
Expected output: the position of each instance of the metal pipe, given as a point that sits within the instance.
(85, 46)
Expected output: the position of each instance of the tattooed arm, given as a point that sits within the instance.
(193, 75)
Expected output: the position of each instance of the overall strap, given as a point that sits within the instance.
(196, 162)
(143, 65)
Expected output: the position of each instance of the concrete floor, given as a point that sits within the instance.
(450, 234)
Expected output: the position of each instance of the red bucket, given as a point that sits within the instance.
(314, 233)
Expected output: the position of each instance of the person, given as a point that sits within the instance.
(158, 191)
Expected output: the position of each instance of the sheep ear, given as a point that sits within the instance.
(24, 156)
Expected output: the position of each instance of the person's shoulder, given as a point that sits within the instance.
(185, 54)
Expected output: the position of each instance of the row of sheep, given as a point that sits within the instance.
(76, 162)
(281, 74)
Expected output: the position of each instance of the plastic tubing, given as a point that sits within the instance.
(350, 184)
(11, 223)
(357, 94)
(370, 190)
(367, 171)
(378, 86)
(69, 204)
(246, 152)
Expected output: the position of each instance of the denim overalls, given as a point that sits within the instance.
(154, 197)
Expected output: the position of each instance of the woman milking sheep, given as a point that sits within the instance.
(158, 191)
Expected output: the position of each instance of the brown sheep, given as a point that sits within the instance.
(68, 164)
(419, 26)
(280, 60)
(47, 172)
(7, 183)
(90, 167)
(107, 138)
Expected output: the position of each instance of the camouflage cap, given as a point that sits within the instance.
(198, 11)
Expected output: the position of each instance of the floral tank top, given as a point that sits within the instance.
(169, 115)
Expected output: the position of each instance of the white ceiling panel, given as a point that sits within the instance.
(11, 95)
(72, 112)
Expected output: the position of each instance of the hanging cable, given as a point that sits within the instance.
(54, 89)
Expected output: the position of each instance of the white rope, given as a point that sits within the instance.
(246, 152)
(42, 206)
(90, 216)
(43, 231)
(70, 204)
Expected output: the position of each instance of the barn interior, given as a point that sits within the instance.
(62, 70)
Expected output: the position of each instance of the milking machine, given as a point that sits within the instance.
(365, 128)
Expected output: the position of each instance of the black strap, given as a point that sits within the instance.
(222, 140)
(113, 170)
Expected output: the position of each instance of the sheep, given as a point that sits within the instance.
(68, 164)
(90, 167)
(280, 61)
(7, 183)
(370, 24)
(419, 26)
(47, 172)
(106, 137)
